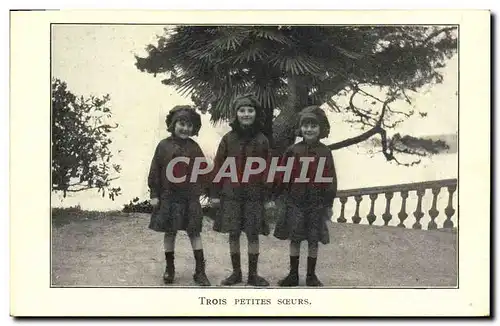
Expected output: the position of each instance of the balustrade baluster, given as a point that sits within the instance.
(433, 212)
(341, 218)
(449, 211)
(402, 214)
(356, 218)
(418, 211)
(387, 215)
(371, 217)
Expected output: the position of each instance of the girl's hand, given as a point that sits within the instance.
(154, 201)
(269, 204)
(214, 201)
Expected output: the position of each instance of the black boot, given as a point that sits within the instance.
(200, 277)
(236, 276)
(168, 276)
(253, 278)
(311, 278)
(292, 279)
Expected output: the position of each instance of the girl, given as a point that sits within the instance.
(307, 205)
(242, 204)
(176, 206)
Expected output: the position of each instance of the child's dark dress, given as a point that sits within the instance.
(179, 207)
(306, 204)
(241, 204)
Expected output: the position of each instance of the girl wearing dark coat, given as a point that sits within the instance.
(308, 205)
(242, 203)
(176, 206)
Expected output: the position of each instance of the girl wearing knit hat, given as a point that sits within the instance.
(308, 205)
(242, 203)
(176, 206)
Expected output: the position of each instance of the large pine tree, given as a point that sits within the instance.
(289, 67)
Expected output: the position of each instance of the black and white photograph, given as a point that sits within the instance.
(387, 94)
(235, 156)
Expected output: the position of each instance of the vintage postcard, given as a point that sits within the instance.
(250, 163)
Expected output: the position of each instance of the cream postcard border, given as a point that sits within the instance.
(30, 181)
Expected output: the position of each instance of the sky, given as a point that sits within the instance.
(99, 60)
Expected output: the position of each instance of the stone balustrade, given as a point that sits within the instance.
(387, 214)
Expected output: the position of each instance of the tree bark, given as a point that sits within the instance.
(268, 124)
(285, 124)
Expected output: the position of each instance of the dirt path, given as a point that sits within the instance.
(119, 250)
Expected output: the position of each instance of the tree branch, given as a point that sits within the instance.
(331, 103)
(436, 33)
(377, 129)
(353, 108)
(354, 140)
(107, 126)
(370, 95)
(82, 188)
(384, 108)
(387, 148)
(408, 115)
(56, 188)
(407, 98)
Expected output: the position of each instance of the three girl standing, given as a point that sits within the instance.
(242, 205)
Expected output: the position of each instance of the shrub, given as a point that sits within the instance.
(135, 206)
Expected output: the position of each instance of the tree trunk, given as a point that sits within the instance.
(268, 125)
(285, 124)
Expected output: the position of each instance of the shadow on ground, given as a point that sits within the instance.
(119, 250)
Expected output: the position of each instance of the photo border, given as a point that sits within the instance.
(272, 287)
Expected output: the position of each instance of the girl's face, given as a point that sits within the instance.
(246, 115)
(183, 129)
(310, 130)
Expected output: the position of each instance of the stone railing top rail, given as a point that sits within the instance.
(398, 188)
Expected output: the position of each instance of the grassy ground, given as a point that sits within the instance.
(117, 249)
